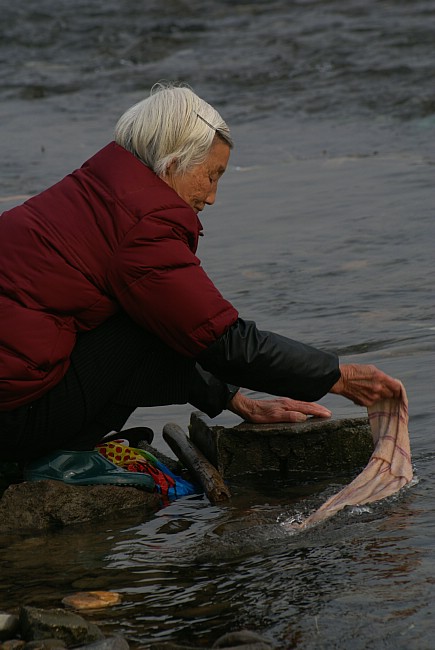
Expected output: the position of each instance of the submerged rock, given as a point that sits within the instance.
(42, 629)
(244, 639)
(91, 599)
(111, 643)
(240, 640)
(36, 623)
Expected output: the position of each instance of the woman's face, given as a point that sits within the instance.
(199, 185)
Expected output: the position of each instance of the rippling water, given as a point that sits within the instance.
(323, 230)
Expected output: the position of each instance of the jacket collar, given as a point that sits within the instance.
(131, 182)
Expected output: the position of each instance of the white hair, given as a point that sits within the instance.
(171, 125)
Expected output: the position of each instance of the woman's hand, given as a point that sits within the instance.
(280, 409)
(365, 384)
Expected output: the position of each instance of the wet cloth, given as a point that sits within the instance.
(389, 467)
(139, 460)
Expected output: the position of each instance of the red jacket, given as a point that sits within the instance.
(110, 235)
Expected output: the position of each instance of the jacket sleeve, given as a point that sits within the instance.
(208, 393)
(270, 363)
(160, 283)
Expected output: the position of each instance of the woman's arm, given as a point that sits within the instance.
(270, 363)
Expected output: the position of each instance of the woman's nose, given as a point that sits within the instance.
(211, 196)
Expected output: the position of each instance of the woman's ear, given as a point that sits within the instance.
(172, 167)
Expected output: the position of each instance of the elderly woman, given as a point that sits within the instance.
(105, 306)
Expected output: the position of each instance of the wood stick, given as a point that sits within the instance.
(200, 468)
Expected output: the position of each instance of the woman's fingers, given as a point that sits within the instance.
(279, 409)
(366, 384)
(310, 408)
(285, 410)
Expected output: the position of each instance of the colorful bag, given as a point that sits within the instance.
(139, 460)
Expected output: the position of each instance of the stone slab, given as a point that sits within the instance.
(316, 448)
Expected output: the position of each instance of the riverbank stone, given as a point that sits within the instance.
(8, 625)
(314, 449)
(51, 629)
(53, 504)
(42, 505)
(72, 629)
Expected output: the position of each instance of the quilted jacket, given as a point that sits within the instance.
(110, 235)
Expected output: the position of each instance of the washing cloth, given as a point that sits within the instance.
(389, 467)
(139, 460)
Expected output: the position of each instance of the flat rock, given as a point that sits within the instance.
(92, 599)
(305, 450)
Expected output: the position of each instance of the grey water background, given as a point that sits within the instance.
(323, 230)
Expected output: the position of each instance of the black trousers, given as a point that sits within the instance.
(114, 369)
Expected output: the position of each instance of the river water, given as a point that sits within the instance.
(323, 230)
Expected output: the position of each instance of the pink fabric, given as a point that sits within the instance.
(389, 467)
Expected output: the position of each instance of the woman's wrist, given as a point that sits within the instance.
(239, 404)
